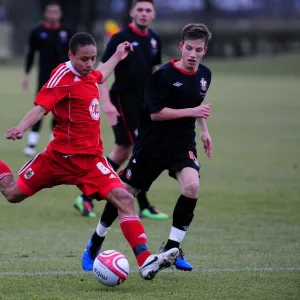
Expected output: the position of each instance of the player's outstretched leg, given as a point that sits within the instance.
(133, 231)
(8, 185)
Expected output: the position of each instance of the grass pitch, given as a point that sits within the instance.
(244, 240)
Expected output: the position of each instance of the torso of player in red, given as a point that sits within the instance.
(74, 101)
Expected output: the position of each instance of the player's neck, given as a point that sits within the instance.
(180, 65)
(143, 31)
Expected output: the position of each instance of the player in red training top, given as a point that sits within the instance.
(74, 156)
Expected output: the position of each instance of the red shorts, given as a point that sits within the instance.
(93, 175)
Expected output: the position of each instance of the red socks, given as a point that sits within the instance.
(134, 233)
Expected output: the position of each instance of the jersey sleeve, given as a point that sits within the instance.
(156, 92)
(31, 49)
(98, 76)
(56, 89)
(157, 61)
(110, 48)
(49, 97)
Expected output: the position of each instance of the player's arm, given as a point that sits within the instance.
(29, 58)
(121, 53)
(205, 137)
(32, 117)
(157, 92)
(110, 111)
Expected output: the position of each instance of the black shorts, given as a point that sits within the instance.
(130, 107)
(143, 168)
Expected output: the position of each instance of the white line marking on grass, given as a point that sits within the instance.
(229, 270)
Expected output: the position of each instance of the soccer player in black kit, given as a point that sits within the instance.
(124, 104)
(167, 138)
(51, 40)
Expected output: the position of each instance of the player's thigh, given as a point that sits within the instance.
(36, 174)
(100, 179)
(142, 171)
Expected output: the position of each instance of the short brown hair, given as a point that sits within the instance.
(195, 32)
(135, 2)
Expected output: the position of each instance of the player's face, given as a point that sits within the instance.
(84, 59)
(192, 53)
(52, 14)
(142, 14)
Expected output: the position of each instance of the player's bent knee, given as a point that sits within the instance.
(14, 195)
(123, 200)
(191, 189)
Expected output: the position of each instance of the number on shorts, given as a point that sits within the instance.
(102, 168)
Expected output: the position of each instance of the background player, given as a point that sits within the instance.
(74, 156)
(51, 40)
(123, 105)
(166, 139)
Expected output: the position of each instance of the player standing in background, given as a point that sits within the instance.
(124, 104)
(167, 139)
(74, 156)
(51, 40)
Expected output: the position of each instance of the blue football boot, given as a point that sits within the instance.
(182, 263)
(89, 256)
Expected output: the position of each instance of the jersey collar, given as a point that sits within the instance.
(136, 31)
(69, 65)
(49, 27)
(173, 61)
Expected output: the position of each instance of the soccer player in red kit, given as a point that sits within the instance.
(74, 156)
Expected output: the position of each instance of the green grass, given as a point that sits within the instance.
(245, 238)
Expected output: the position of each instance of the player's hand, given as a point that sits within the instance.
(25, 82)
(201, 111)
(14, 134)
(207, 142)
(111, 113)
(123, 50)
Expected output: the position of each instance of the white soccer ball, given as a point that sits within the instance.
(111, 268)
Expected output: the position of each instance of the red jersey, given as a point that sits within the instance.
(73, 100)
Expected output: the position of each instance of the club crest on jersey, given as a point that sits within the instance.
(28, 173)
(128, 174)
(153, 43)
(203, 84)
(95, 109)
(63, 35)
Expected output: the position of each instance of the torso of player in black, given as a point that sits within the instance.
(172, 88)
(132, 73)
(52, 45)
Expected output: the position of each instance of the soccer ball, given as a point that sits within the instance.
(111, 268)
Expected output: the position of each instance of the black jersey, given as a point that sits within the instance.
(52, 43)
(174, 88)
(132, 73)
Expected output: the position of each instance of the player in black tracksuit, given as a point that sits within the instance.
(126, 96)
(167, 137)
(51, 40)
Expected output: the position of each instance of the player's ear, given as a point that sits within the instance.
(205, 50)
(131, 13)
(180, 46)
(70, 55)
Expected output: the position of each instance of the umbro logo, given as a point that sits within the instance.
(177, 84)
(76, 79)
(112, 176)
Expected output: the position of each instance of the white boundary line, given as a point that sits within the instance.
(228, 270)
